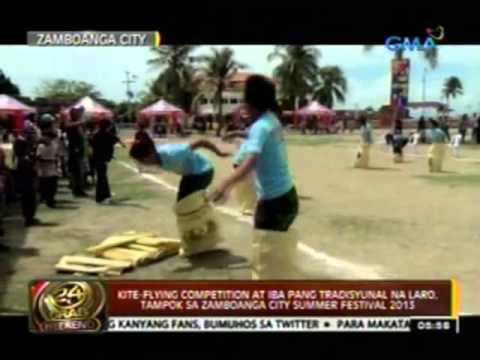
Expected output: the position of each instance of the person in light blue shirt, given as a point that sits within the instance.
(437, 134)
(266, 152)
(182, 159)
(265, 139)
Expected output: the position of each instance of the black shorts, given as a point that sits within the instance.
(277, 214)
(192, 183)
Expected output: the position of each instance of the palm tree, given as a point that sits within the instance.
(297, 71)
(175, 81)
(332, 86)
(218, 68)
(451, 88)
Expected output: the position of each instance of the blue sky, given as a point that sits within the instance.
(367, 73)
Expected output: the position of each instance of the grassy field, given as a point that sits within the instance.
(396, 220)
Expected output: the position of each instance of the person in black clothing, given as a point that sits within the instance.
(389, 138)
(446, 128)
(200, 124)
(4, 179)
(113, 128)
(474, 131)
(210, 122)
(90, 127)
(398, 126)
(103, 143)
(76, 151)
(462, 127)
(477, 134)
(26, 181)
(398, 141)
(421, 127)
(156, 127)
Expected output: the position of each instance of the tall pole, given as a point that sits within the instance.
(130, 79)
(424, 89)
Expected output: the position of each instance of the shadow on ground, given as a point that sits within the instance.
(65, 207)
(12, 249)
(453, 179)
(65, 202)
(379, 168)
(305, 197)
(124, 202)
(47, 224)
(218, 259)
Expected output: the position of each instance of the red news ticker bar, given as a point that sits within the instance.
(176, 298)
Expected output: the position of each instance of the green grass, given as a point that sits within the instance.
(127, 185)
(133, 192)
(121, 154)
(453, 180)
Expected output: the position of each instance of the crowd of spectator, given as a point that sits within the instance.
(69, 145)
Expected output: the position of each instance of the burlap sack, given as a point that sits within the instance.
(436, 155)
(274, 255)
(363, 156)
(245, 196)
(197, 224)
(397, 158)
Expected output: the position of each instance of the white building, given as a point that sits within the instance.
(232, 96)
(231, 99)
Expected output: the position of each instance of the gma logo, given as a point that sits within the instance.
(395, 43)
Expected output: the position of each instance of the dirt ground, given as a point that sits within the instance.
(392, 221)
(395, 219)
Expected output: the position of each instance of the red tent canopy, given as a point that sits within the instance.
(161, 107)
(92, 108)
(16, 108)
(314, 108)
(8, 103)
(323, 113)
